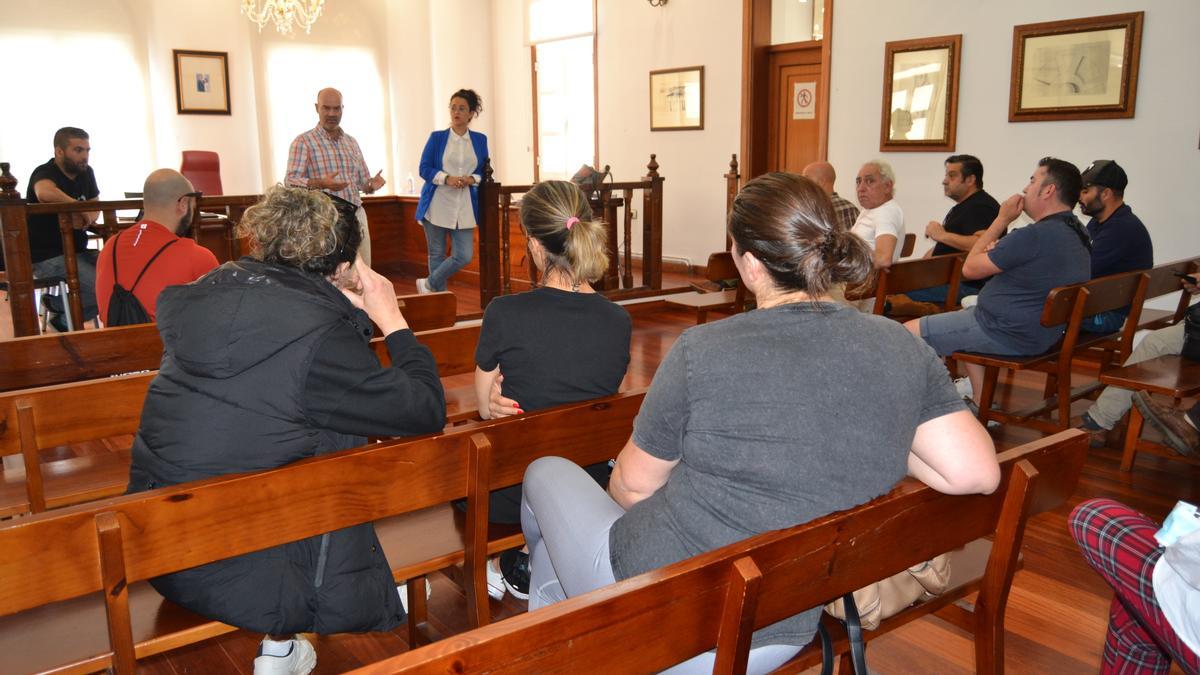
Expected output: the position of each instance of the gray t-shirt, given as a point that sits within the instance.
(777, 417)
(1034, 259)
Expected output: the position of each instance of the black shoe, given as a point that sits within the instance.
(1097, 435)
(58, 321)
(514, 565)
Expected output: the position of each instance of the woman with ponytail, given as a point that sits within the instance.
(559, 343)
(761, 421)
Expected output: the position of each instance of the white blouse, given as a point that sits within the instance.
(451, 207)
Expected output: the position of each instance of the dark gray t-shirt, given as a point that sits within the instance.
(777, 417)
(1034, 259)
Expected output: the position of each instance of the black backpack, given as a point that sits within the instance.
(124, 309)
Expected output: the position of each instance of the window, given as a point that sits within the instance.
(563, 51)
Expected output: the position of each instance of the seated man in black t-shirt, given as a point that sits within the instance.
(65, 178)
(971, 214)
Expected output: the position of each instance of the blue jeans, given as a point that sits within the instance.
(937, 294)
(1104, 322)
(85, 264)
(440, 266)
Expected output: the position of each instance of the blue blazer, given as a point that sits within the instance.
(431, 164)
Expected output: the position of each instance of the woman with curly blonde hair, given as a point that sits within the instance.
(266, 361)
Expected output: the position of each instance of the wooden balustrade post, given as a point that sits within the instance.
(489, 237)
(73, 303)
(733, 181)
(652, 227)
(612, 278)
(627, 263)
(505, 243)
(14, 237)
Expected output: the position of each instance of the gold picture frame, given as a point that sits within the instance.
(677, 99)
(201, 82)
(920, 94)
(1077, 69)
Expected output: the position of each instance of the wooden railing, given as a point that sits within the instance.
(613, 203)
(220, 216)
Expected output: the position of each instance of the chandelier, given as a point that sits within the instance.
(284, 13)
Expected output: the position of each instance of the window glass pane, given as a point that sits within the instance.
(99, 88)
(291, 99)
(566, 110)
(796, 20)
(553, 19)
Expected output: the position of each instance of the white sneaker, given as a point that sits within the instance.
(495, 580)
(423, 286)
(300, 659)
(402, 589)
(963, 386)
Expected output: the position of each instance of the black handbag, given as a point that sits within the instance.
(1191, 333)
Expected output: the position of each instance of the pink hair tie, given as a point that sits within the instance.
(571, 221)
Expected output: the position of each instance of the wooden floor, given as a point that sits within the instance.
(1057, 611)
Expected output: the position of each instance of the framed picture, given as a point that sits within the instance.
(201, 82)
(920, 94)
(1076, 69)
(677, 99)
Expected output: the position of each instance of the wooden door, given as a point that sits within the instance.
(794, 96)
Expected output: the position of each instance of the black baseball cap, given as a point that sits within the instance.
(1105, 173)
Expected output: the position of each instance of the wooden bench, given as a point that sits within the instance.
(45, 417)
(1172, 376)
(720, 267)
(41, 360)
(1066, 305)
(83, 603)
(1164, 280)
(912, 275)
(717, 599)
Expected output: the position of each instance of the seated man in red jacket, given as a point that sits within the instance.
(155, 252)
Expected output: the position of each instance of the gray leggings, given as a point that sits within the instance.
(566, 518)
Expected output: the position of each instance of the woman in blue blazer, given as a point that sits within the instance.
(452, 167)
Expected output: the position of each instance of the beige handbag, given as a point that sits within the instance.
(885, 598)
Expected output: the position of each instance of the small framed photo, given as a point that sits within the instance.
(1077, 69)
(677, 99)
(201, 82)
(920, 94)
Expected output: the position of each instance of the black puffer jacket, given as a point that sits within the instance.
(265, 365)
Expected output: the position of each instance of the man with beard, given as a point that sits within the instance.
(65, 178)
(329, 159)
(1120, 242)
(155, 252)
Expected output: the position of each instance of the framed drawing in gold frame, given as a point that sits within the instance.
(677, 99)
(201, 82)
(920, 94)
(1076, 69)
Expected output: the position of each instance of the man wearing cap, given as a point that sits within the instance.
(1120, 242)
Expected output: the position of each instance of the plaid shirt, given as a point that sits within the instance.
(316, 153)
(845, 212)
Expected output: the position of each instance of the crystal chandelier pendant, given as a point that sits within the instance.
(284, 13)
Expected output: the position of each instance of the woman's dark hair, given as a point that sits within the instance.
(301, 228)
(474, 101)
(557, 214)
(787, 222)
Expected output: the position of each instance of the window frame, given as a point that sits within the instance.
(533, 74)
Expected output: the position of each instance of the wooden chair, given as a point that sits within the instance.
(1066, 305)
(54, 616)
(1172, 376)
(41, 360)
(76, 412)
(718, 598)
(720, 267)
(912, 275)
(1164, 280)
(910, 243)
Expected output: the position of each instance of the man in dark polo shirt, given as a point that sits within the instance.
(972, 213)
(65, 178)
(1120, 242)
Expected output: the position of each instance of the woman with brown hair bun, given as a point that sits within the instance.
(761, 421)
(560, 343)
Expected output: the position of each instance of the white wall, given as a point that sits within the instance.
(1157, 148)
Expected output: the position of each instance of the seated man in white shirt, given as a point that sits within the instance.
(881, 224)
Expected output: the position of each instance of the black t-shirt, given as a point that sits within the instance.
(971, 215)
(45, 241)
(555, 347)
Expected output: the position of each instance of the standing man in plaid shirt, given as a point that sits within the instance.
(329, 159)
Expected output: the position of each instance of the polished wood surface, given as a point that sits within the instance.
(911, 275)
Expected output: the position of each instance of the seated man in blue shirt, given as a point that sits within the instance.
(1024, 266)
(1120, 242)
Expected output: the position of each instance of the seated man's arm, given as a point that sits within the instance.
(885, 248)
(963, 242)
(978, 264)
(637, 475)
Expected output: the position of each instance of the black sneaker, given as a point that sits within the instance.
(514, 565)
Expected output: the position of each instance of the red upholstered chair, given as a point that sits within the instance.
(203, 168)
